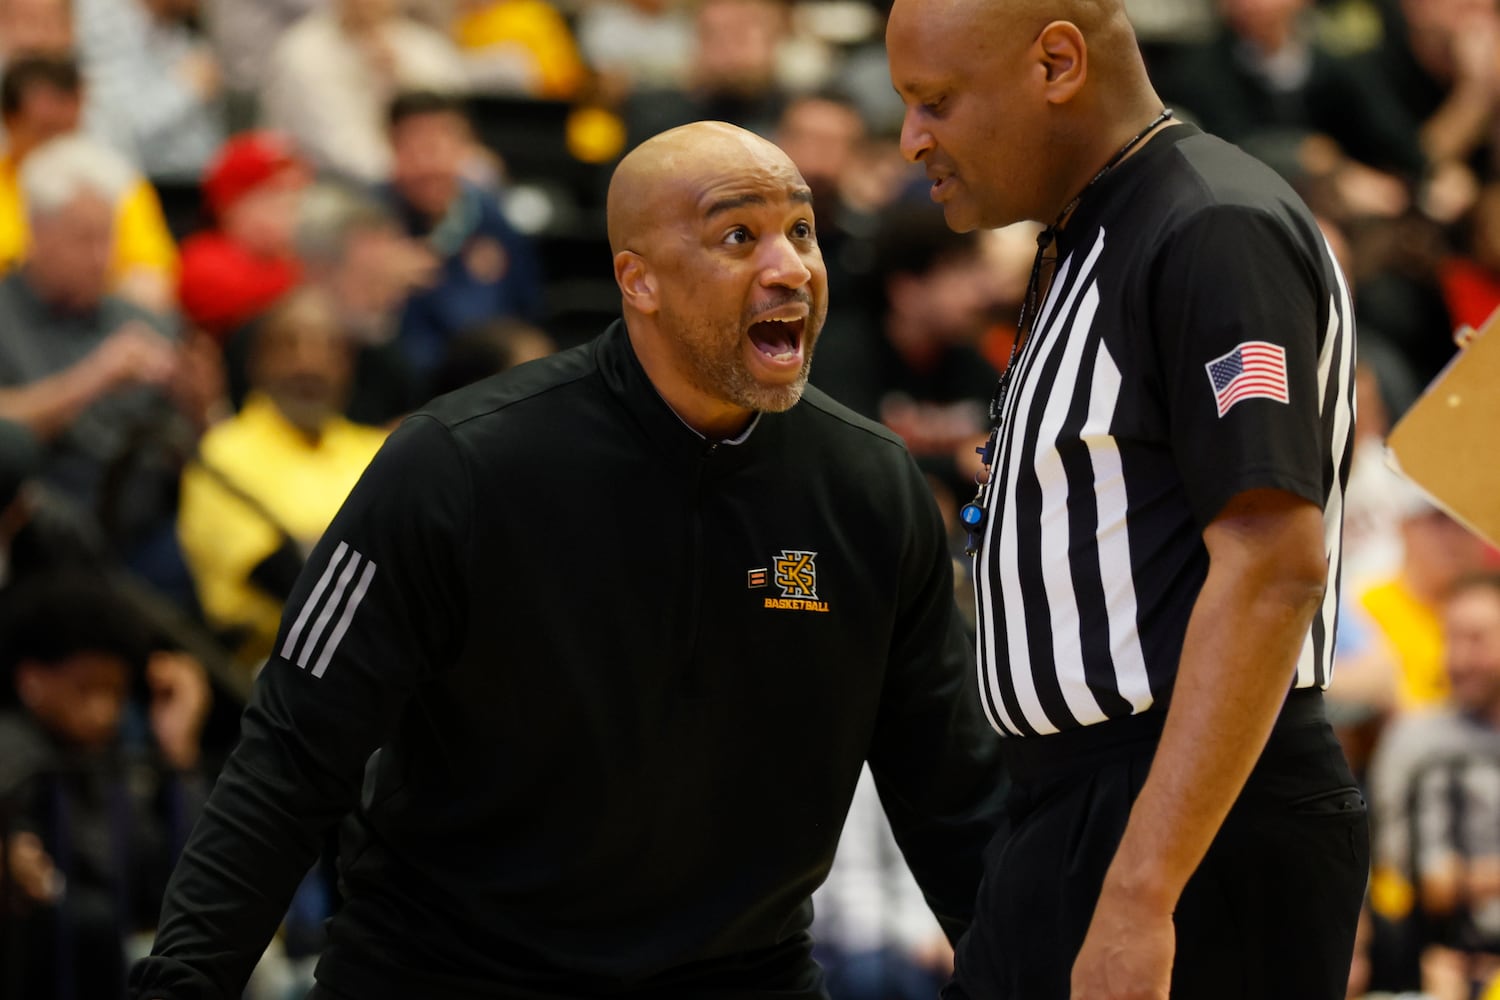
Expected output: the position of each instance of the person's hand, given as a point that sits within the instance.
(934, 954)
(409, 265)
(1476, 52)
(200, 387)
(135, 354)
(1367, 192)
(180, 699)
(933, 428)
(1451, 190)
(1445, 973)
(1127, 953)
(31, 869)
(378, 54)
(200, 72)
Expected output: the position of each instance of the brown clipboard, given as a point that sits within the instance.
(1448, 442)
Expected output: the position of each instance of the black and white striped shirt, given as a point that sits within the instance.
(1196, 341)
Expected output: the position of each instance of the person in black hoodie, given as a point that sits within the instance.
(591, 659)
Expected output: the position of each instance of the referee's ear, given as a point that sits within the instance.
(1065, 58)
(637, 283)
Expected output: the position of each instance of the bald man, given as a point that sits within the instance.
(591, 660)
(1157, 543)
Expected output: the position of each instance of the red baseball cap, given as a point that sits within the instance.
(245, 162)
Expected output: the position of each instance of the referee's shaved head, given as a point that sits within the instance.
(1015, 102)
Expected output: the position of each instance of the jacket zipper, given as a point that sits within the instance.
(693, 680)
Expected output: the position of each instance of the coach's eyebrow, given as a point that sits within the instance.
(729, 204)
(732, 202)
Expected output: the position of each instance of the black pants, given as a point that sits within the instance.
(1270, 912)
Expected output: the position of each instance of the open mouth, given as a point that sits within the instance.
(779, 340)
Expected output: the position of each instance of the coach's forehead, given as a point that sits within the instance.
(685, 172)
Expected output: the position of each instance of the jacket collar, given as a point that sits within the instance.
(627, 380)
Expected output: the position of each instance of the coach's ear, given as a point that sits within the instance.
(1064, 56)
(637, 283)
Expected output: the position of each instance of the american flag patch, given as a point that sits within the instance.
(1253, 370)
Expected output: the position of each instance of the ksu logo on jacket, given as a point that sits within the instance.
(795, 573)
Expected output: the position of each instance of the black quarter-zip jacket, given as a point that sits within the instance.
(621, 681)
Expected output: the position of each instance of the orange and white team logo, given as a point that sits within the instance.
(796, 574)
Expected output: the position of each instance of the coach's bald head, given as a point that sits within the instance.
(1013, 104)
(661, 178)
(722, 283)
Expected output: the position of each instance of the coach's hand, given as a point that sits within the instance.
(1127, 953)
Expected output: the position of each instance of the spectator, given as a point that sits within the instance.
(155, 84)
(1471, 282)
(234, 271)
(28, 27)
(91, 822)
(488, 349)
(98, 378)
(876, 939)
(823, 132)
(1407, 606)
(637, 44)
(353, 250)
(910, 359)
(333, 74)
(40, 532)
(486, 269)
(1435, 788)
(243, 34)
(267, 481)
(1377, 497)
(1264, 74)
(41, 98)
(519, 47)
(1439, 57)
(732, 77)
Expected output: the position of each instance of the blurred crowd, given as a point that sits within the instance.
(240, 239)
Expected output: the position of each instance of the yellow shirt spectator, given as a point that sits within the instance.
(288, 481)
(142, 240)
(1415, 633)
(524, 31)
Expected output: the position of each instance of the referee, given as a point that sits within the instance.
(1157, 544)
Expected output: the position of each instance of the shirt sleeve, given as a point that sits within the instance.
(934, 757)
(1235, 314)
(378, 609)
(142, 239)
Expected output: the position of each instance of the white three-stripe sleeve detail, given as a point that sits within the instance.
(312, 601)
(326, 614)
(337, 635)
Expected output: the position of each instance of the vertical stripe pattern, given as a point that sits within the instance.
(1068, 580)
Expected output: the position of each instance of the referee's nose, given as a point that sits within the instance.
(916, 139)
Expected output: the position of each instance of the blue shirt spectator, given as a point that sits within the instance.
(486, 268)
